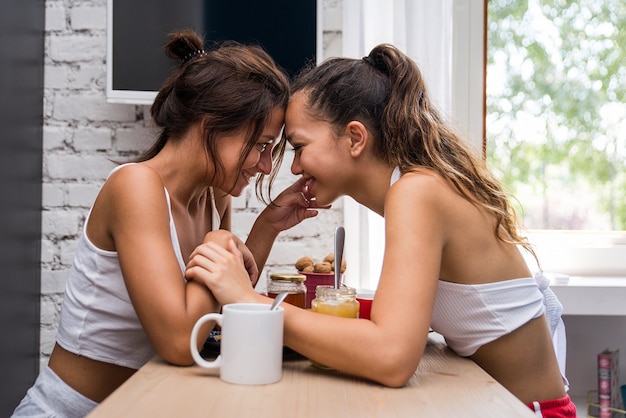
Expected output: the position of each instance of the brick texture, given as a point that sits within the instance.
(82, 132)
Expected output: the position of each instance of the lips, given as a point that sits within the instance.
(242, 182)
(247, 177)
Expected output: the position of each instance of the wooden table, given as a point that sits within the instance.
(444, 385)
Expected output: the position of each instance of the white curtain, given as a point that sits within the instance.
(429, 32)
(420, 28)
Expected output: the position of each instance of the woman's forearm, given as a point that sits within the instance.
(260, 242)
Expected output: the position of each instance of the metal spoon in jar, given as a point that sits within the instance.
(279, 298)
(340, 235)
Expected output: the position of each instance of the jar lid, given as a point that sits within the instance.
(291, 277)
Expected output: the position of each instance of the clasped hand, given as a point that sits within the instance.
(223, 270)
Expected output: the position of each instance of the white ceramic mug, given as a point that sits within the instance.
(251, 345)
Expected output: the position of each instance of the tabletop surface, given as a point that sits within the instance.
(444, 385)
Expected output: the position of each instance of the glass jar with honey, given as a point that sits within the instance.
(293, 284)
(337, 302)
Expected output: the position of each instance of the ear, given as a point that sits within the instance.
(358, 136)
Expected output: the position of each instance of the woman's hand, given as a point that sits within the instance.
(222, 238)
(292, 206)
(223, 271)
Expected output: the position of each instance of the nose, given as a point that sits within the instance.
(295, 166)
(265, 162)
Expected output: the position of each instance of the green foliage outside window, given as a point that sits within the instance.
(556, 110)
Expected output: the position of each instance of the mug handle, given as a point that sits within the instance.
(194, 342)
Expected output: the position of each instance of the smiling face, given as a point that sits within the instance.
(258, 160)
(319, 155)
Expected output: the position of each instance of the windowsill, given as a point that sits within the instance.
(590, 295)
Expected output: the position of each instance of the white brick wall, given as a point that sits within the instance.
(82, 132)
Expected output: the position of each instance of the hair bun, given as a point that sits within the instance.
(184, 45)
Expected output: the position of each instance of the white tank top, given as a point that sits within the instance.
(98, 319)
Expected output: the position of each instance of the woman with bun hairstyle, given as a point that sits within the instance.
(220, 116)
(366, 128)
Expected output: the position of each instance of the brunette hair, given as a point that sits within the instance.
(386, 92)
(229, 87)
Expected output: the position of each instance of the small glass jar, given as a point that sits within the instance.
(337, 302)
(290, 283)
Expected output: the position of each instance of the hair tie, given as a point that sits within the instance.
(200, 52)
(377, 65)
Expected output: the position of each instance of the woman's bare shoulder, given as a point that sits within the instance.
(133, 188)
(419, 186)
(130, 198)
(426, 202)
(133, 173)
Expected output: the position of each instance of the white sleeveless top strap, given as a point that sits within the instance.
(216, 221)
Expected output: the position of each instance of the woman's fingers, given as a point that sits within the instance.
(248, 260)
(221, 270)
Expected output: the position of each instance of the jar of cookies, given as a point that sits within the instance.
(293, 284)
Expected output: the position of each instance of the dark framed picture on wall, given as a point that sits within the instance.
(290, 31)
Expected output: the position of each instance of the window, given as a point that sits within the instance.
(555, 123)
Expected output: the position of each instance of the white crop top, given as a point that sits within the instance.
(471, 315)
(98, 319)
